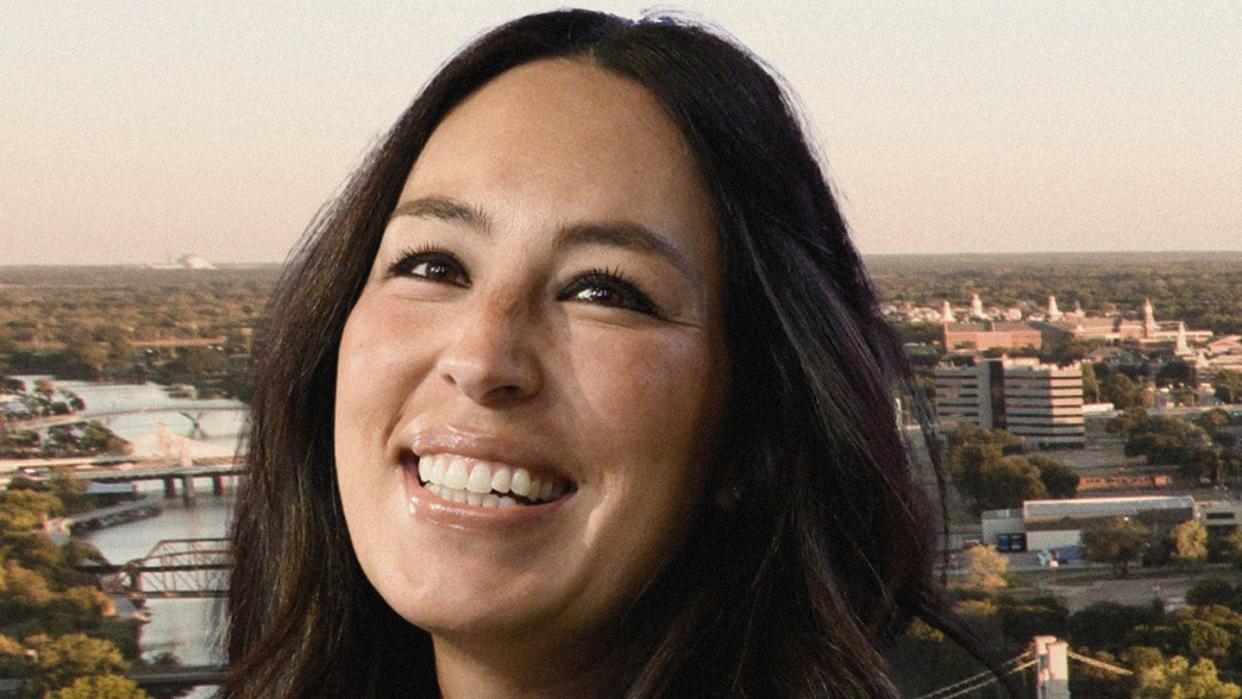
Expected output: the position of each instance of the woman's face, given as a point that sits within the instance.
(530, 384)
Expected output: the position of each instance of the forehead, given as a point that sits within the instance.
(565, 139)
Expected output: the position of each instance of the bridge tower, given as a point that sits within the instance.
(1052, 668)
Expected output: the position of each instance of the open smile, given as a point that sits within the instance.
(488, 484)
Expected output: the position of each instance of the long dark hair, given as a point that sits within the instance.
(795, 588)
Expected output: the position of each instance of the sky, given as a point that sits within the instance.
(140, 131)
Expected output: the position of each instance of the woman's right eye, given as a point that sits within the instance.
(433, 265)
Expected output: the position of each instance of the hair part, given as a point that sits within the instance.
(776, 596)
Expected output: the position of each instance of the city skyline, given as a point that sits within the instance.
(139, 133)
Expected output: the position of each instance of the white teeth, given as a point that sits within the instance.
(461, 479)
(521, 482)
(501, 479)
(456, 476)
(491, 500)
(480, 479)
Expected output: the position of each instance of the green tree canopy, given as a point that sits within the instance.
(1177, 678)
(1119, 542)
(985, 570)
(1122, 392)
(63, 659)
(100, 687)
(1228, 385)
(1189, 542)
(1059, 480)
(1101, 626)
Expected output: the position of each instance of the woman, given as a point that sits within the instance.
(580, 389)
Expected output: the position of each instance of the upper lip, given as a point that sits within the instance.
(475, 444)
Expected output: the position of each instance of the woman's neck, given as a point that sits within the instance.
(529, 669)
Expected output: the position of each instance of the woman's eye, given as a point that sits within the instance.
(432, 265)
(608, 289)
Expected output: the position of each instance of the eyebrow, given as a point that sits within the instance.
(630, 236)
(445, 209)
(621, 234)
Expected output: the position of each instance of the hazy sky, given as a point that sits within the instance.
(135, 132)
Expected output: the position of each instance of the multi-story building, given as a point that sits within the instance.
(987, 329)
(987, 334)
(1040, 403)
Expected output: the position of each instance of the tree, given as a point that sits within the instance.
(1122, 392)
(1131, 419)
(1102, 625)
(993, 481)
(23, 510)
(63, 659)
(1184, 396)
(1210, 591)
(1228, 385)
(1009, 483)
(1021, 619)
(1090, 384)
(985, 570)
(200, 361)
(967, 463)
(1234, 547)
(83, 357)
(1175, 372)
(1059, 480)
(981, 471)
(100, 687)
(69, 490)
(1190, 542)
(1204, 639)
(1119, 542)
(1176, 677)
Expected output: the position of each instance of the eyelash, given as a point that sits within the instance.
(612, 280)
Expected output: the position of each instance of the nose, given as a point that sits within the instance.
(493, 357)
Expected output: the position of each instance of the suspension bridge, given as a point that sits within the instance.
(1047, 656)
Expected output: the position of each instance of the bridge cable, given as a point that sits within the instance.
(1020, 662)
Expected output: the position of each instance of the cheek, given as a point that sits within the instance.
(374, 366)
(647, 399)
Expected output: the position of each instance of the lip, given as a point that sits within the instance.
(425, 505)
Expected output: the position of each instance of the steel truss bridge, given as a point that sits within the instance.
(172, 569)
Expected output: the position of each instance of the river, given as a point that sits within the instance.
(188, 628)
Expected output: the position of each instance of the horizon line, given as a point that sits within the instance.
(975, 253)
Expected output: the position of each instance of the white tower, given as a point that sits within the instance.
(1054, 313)
(946, 312)
(1149, 319)
(1052, 668)
(976, 306)
(1182, 348)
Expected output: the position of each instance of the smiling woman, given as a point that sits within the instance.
(580, 390)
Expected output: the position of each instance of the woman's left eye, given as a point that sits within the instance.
(608, 289)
